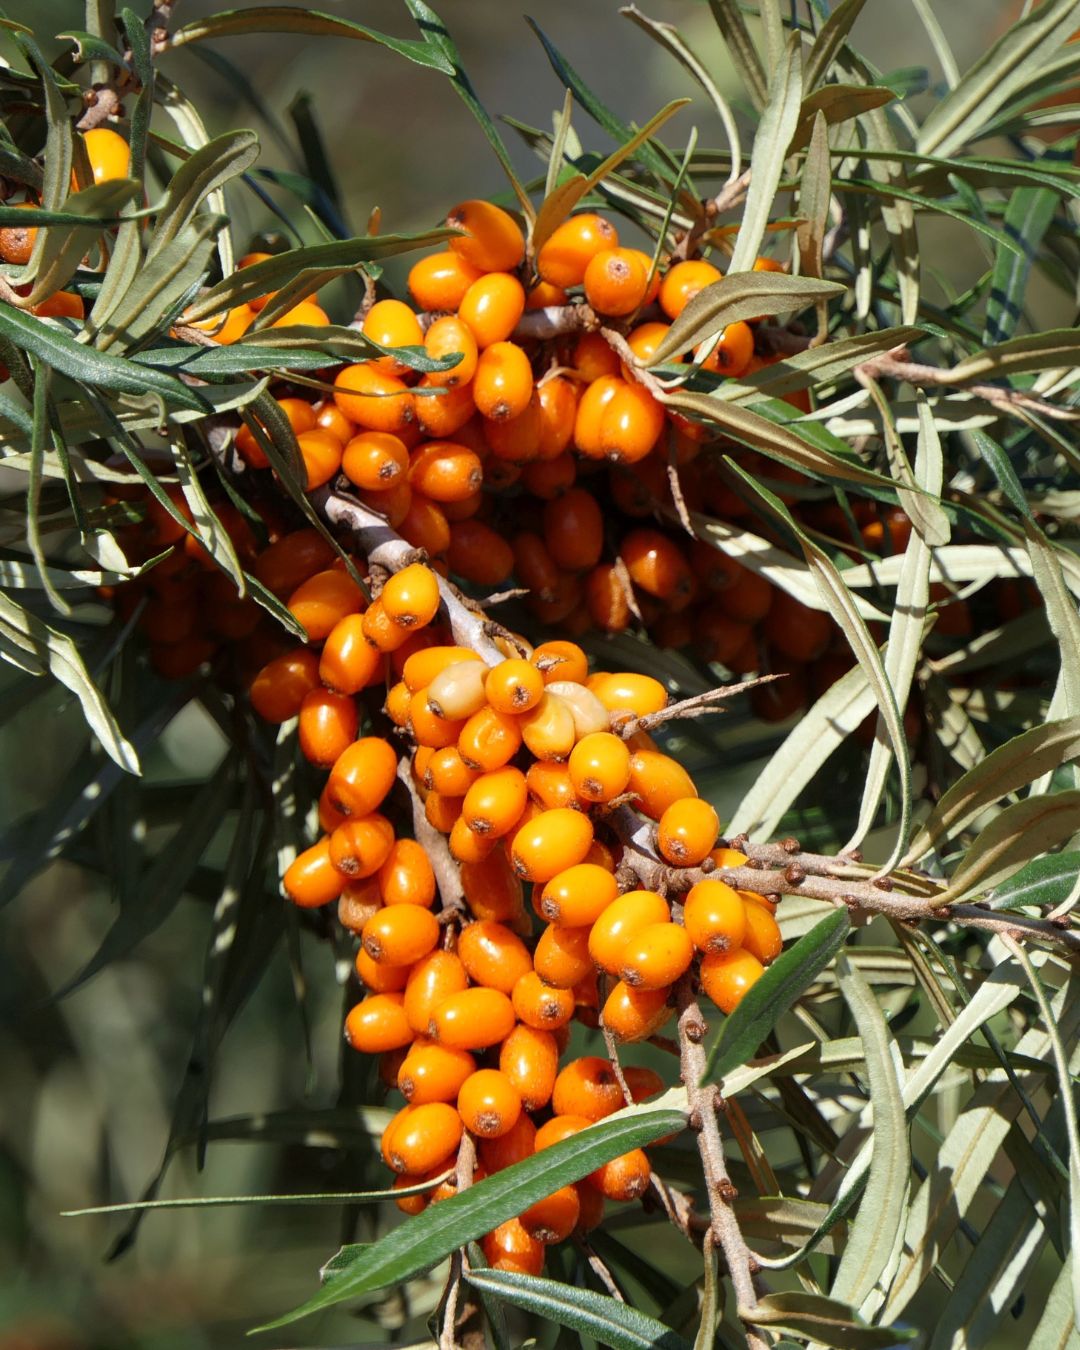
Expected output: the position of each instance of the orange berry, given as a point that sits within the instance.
(488, 1103)
(549, 478)
(398, 935)
(559, 660)
(549, 730)
(796, 631)
(544, 294)
(510, 1148)
(391, 323)
(562, 958)
(376, 978)
(328, 725)
(592, 1207)
(657, 780)
(607, 597)
(433, 1073)
(620, 921)
(380, 629)
(330, 418)
(375, 460)
(398, 703)
(599, 767)
(558, 408)
(442, 812)
(558, 1128)
(307, 313)
(357, 902)
(503, 383)
(361, 844)
(411, 597)
(643, 1083)
(312, 879)
(644, 340)
(495, 801)
(393, 503)
(490, 239)
(467, 845)
(445, 471)
(589, 417)
(748, 597)
(510, 1247)
(657, 565)
(578, 896)
(549, 785)
(323, 600)
(624, 1178)
(17, 241)
(626, 691)
(444, 415)
(291, 560)
(616, 280)
(635, 1014)
(492, 306)
(108, 152)
(493, 956)
(593, 357)
(687, 831)
(587, 1087)
(491, 889)
(473, 1019)
(448, 336)
(762, 937)
(727, 976)
(539, 1005)
(571, 246)
(552, 842)
(362, 776)
(431, 981)
(424, 665)
(630, 424)
(489, 739)
(574, 532)
(477, 553)
(279, 689)
(406, 876)
(448, 773)
(371, 398)
(424, 1138)
(513, 686)
(555, 1217)
(348, 662)
(682, 282)
(656, 956)
(733, 353)
(534, 566)
(714, 916)
(438, 281)
(378, 1024)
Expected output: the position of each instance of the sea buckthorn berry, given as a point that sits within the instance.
(571, 246)
(492, 955)
(443, 416)
(488, 1103)
(624, 1178)
(682, 282)
(438, 281)
(328, 726)
(393, 503)
(559, 660)
(748, 598)
(714, 916)
(371, 398)
(361, 845)
(796, 631)
(540, 1005)
(330, 417)
(490, 237)
(558, 409)
(592, 1207)
(719, 637)
(473, 1019)
(727, 976)
(622, 920)
(544, 294)
(442, 812)
(599, 766)
(433, 1073)
(589, 714)
(306, 312)
(278, 691)
(587, 1087)
(448, 773)
(534, 567)
(548, 730)
(549, 478)
(108, 152)
(378, 1024)
(312, 879)
(728, 857)
(628, 692)
(411, 596)
(458, 690)
(431, 981)
(656, 956)
(657, 780)
(448, 336)
(380, 629)
(466, 845)
(503, 383)
(513, 686)
(427, 1136)
(17, 241)
(357, 903)
(510, 1247)
(410, 1204)
(562, 957)
(324, 600)
(399, 934)
(510, 1148)
(616, 280)
(398, 703)
(492, 306)
(593, 357)
(380, 979)
(630, 424)
(549, 785)
(645, 339)
(422, 666)
(555, 609)
(406, 876)
(445, 471)
(291, 560)
(391, 323)
(607, 597)
(657, 565)
(375, 460)
(762, 937)
(477, 553)
(589, 417)
(733, 353)
(425, 526)
(348, 662)
(578, 896)
(687, 831)
(492, 889)
(495, 801)
(642, 1082)
(489, 739)
(555, 1217)
(362, 776)
(635, 1014)
(558, 1128)
(224, 329)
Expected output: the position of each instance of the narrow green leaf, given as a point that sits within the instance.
(1057, 1327)
(793, 972)
(837, 103)
(211, 533)
(584, 1312)
(209, 168)
(816, 365)
(815, 191)
(740, 45)
(830, 40)
(90, 47)
(1020, 356)
(426, 1239)
(825, 1321)
(1043, 883)
(1027, 219)
(38, 443)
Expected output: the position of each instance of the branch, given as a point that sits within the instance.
(463, 1177)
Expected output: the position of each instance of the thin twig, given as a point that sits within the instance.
(466, 1166)
(599, 1268)
(447, 872)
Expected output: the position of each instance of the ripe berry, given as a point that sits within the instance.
(559, 660)
(492, 889)
(513, 686)
(578, 896)
(438, 281)
(348, 662)
(488, 1103)
(529, 1058)
(491, 307)
(494, 957)
(599, 766)
(625, 691)
(411, 597)
(762, 937)
(380, 630)
(362, 776)
(406, 876)
(727, 976)
(328, 726)
(358, 902)
(489, 739)
(714, 916)
(657, 781)
(552, 842)
(361, 844)
(550, 786)
(379, 979)
(503, 383)
(373, 399)
(687, 831)
(423, 1138)
(445, 471)
(620, 921)
(312, 879)
(682, 282)
(548, 730)
(288, 562)
(616, 280)
(539, 1005)
(635, 1014)
(562, 958)
(391, 323)
(448, 773)
(378, 1024)
(473, 1019)
(657, 565)
(279, 689)
(510, 1148)
(448, 336)
(490, 239)
(558, 408)
(733, 352)
(630, 424)
(433, 1073)
(656, 956)
(431, 981)
(624, 1178)
(558, 1128)
(495, 801)
(375, 460)
(108, 152)
(588, 1087)
(479, 554)
(571, 246)
(425, 526)
(510, 1247)
(324, 600)
(555, 1217)
(397, 935)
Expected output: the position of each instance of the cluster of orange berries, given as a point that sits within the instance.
(518, 765)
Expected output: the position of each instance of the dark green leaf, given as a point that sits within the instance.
(830, 39)
(793, 972)
(1045, 882)
(208, 168)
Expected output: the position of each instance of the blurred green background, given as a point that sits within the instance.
(90, 1080)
